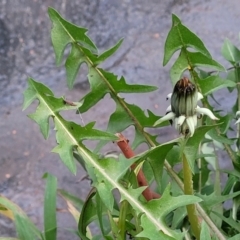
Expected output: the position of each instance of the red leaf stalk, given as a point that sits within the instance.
(142, 181)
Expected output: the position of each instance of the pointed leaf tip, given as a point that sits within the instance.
(68, 33)
(230, 52)
(179, 37)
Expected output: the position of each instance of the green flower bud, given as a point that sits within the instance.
(184, 98)
(184, 109)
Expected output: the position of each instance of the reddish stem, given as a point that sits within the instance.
(142, 181)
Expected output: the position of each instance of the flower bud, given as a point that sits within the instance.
(184, 109)
(184, 98)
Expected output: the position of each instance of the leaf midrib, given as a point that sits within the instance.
(122, 190)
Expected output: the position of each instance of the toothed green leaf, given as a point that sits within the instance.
(119, 121)
(103, 56)
(214, 83)
(163, 206)
(69, 134)
(103, 82)
(180, 36)
(213, 199)
(188, 60)
(64, 32)
(230, 52)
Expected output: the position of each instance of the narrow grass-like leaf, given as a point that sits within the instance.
(25, 228)
(77, 202)
(88, 213)
(230, 52)
(103, 224)
(214, 83)
(75, 213)
(6, 212)
(50, 217)
(181, 37)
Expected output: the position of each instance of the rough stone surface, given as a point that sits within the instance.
(25, 50)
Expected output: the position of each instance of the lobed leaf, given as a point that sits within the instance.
(163, 206)
(68, 133)
(109, 171)
(230, 52)
(222, 138)
(188, 60)
(101, 82)
(119, 121)
(103, 56)
(214, 83)
(181, 37)
(211, 200)
(64, 33)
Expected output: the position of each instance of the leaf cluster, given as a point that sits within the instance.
(130, 214)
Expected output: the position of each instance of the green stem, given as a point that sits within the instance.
(199, 162)
(237, 76)
(200, 210)
(188, 190)
(122, 219)
(217, 187)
